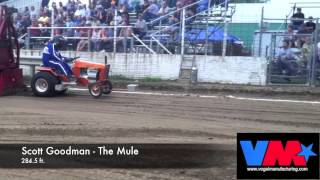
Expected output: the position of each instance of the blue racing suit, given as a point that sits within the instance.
(52, 58)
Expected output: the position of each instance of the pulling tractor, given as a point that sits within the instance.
(48, 82)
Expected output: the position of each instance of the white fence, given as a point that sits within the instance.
(213, 69)
(232, 69)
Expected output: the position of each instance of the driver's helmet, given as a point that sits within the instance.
(59, 42)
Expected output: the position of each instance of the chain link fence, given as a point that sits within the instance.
(290, 59)
(292, 55)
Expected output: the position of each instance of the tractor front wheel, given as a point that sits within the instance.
(95, 90)
(107, 89)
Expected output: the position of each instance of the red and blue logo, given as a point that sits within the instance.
(272, 155)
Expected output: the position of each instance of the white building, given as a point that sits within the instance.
(251, 12)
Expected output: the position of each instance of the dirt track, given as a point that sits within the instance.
(129, 118)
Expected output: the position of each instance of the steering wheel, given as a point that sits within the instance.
(71, 60)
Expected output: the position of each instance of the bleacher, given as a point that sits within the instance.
(158, 40)
(216, 16)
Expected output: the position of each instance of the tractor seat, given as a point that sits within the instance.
(44, 68)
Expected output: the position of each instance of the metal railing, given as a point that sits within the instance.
(172, 12)
(140, 41)
(133, 38)
(260, 48)
(155, 38)
(303, 68)
(183, 19)
(114, 37)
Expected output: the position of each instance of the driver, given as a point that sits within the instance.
(51, 56)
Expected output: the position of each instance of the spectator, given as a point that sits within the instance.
(43, 20)
(175, 18)
(284, 58)
(124, 3)
(298, 43)
(203, 5)
(306, 52)
(106, 38)
(303, 30)
(61, 8)
(59, 21)
(46, 12)
(89, 11)
(124, 35)
(297, 19)
(122, 9)
(81, 12)
(25, 23)
(187, 2)
(124, 13)
(101, 15)
(44, 3)
(164, 9)
(54, 9)
(33, 13)
(109, 17)
(290, 33)
(140, 27)
(143, 7)
(77, 21)
(318, 53)
(310, 25)
(174, 21)
(117, 20)
(69, 22)
(124, 19)
(69, 32)
(83, 43)
(106, 4)
(70, 6)
(77, 4)
(95, 40)
(125, 31)
(112, 8)
(35, 32)
(26, 11)
(89, 21)
(151, 12)
(134, 5)
(17, 22)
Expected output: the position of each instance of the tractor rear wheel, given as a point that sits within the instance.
(43, 84)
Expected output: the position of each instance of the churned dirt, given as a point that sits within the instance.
(139, 118)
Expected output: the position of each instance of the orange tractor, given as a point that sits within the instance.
(48, 82)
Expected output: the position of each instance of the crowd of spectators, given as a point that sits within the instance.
(296, 51)
(101, 13)
(298, 22)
